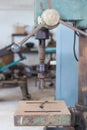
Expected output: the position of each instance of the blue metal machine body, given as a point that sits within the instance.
(67, 67)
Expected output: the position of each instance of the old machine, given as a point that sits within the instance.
(48, 15)
(10, 72)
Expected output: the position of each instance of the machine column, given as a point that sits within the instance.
(42, 35)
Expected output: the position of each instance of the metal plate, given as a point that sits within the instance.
(42, 113)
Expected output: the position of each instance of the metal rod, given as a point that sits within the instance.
(41, 6)
(73, 28)
(49, 4)
(32, 33)
(42, 50)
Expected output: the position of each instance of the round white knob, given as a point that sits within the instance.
(50, 17)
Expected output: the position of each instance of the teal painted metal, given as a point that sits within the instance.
(49, 50)
(68, 10)
(4, 68)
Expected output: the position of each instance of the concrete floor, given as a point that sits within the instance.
(9, 99)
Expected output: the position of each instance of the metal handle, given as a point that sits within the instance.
(32, 33)
(73, 28)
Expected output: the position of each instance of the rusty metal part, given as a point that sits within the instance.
(8, 83)
(75, 116)
(85, 119)
(54, 113)
(82, 89)
(22, 83)
(78, 119)
(73, 113)
(42, 34)
(81, 107)
(79, 114)
(42, 51)
(24, 89)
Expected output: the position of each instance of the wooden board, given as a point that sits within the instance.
(42, 113)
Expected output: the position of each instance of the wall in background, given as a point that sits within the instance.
(17, 4)
(8, 20)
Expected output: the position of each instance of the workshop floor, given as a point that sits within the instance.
(9, 99)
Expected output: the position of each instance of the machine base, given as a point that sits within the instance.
(59, 128)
